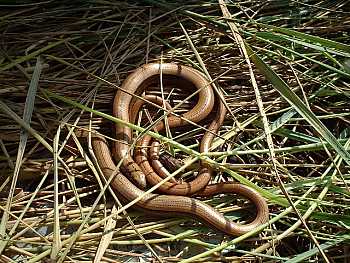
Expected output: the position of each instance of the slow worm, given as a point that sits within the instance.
(135, 82)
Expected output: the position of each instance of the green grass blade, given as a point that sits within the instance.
(27, 116)
(303, 256)
(313, 39)
(31, 55)
(341, 72)
(238, 177)
(272, 36)
(298, 104)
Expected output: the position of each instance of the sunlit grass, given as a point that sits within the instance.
(286, 133)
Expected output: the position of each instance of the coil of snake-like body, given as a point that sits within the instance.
(137, 171)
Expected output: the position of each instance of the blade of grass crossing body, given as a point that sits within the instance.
(68, 243)
(71, 241)
(183, 148)
(27, 116)
(105, 241)
(298, 104)
(240, 238)
(243, 237)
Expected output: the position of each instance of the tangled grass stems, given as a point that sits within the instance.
(304, 44)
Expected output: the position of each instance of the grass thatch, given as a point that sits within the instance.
(284, 68)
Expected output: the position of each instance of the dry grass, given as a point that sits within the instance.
(51, 202)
